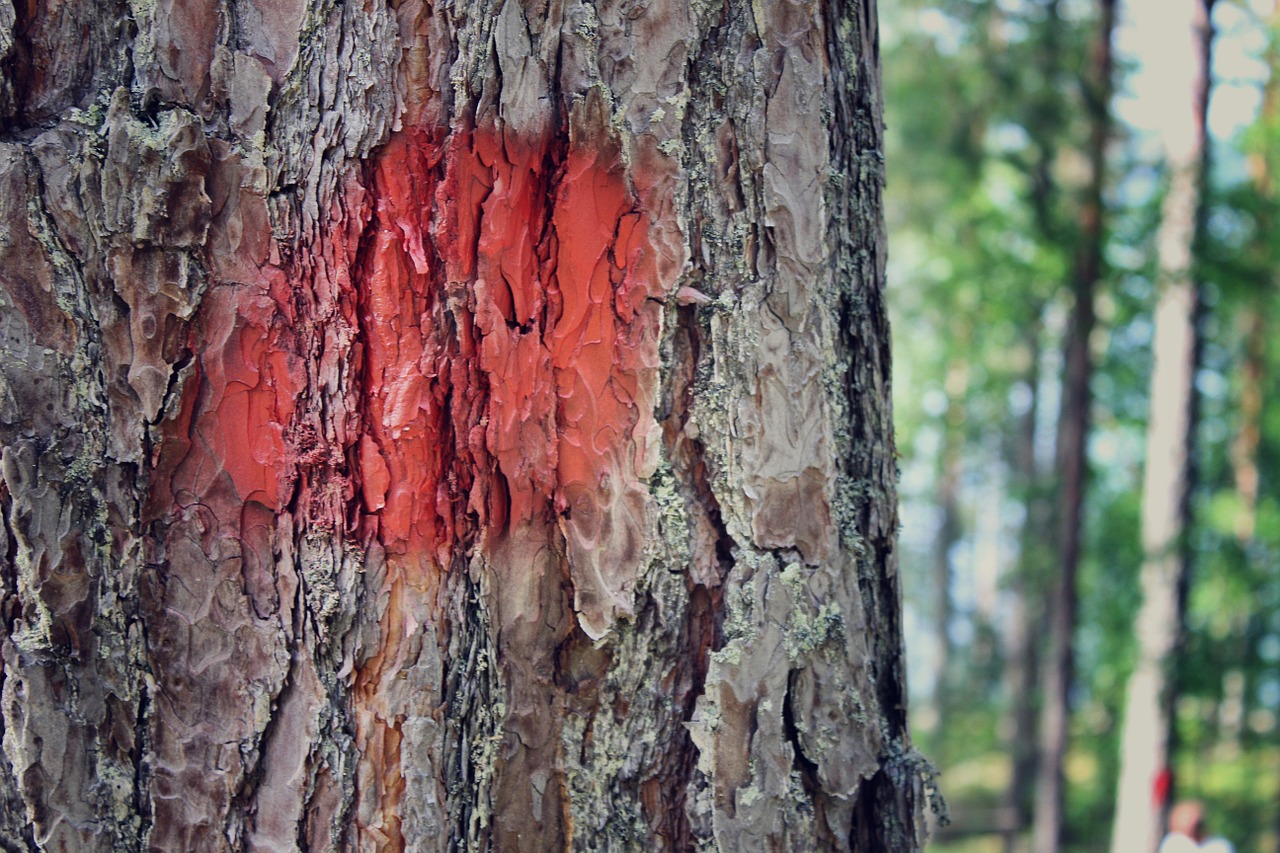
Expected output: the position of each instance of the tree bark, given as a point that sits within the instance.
(1072, 452)
(1147, 730)
(455, 426)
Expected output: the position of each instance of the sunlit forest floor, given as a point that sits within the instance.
(975, 787)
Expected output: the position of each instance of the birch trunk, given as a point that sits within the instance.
(1146, 732)
(446, 426)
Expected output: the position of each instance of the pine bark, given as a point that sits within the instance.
(442, 427)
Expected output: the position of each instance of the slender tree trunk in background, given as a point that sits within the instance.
(446, 426)
(949, 532)
(1021, 648)
(1244, 449)
(1026, 653)
(1249, 439)
(944, 541)
(1073, 430)
(1046, 121)
(1252, 321)
(1150, 695)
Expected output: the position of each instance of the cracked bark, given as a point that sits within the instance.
(446, 427)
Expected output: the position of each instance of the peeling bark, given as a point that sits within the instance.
(371, 478)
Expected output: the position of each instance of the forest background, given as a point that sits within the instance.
(995, 112)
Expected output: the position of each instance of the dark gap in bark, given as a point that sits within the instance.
(699, 640)
(888, 644)
(699, 633)
(724, 543)
(724, 547)
(801, 763)
(875, 827)
(142, 744)
(466, 689)
(694, 449)
(243, 801)
(16, 70)
(16, 826)
(662, 794)
(293, 505)
(9, 567)
(171, 392)
(360, 376)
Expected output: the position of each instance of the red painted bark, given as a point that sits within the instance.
(334, 504)
(488, 299)
(503, 292)
(498, 307)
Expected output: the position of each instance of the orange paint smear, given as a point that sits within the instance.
(501, 292)
(227, 447)
(495, 291)
(602, 280)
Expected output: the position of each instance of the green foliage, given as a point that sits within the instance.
(986, 116)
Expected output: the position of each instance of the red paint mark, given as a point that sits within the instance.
(502, 353)
(501, 290)
(1162, 786)
(227, 446)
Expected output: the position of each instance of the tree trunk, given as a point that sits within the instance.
(951, 462)
(1252, 326)
(1073, 431)
(446, 427)
(1022, 651)
(1149, 697)
(1251, 318)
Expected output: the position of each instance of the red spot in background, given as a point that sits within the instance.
(1162, 786)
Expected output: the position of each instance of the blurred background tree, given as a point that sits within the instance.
(994, 110)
